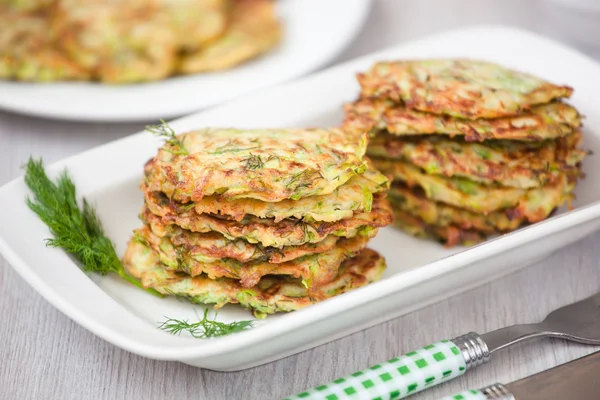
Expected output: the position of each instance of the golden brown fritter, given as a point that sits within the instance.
(414, 202)
(117, 41)
(449, 235)
(272, 294)
(254, 29)
(196, 23)
(544, 121)
(531, 204)
(27, 52)
(264, 164)
(288, 232)
(314, 269)
(356, 195)
(460, 88)
(213, 246)
(521, 165)
(127, 41)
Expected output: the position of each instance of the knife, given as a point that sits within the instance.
(576, 380)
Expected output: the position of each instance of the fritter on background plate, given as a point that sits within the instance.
(253, 30)
(128, 41)
(27, 52)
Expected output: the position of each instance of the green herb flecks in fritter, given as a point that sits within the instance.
(356, 195)
(460, 88)
(314, 269)
(507, 163)
(544, 121)
(531, 204)
(294, 163)
(448, 235)
(287, 232)
(272, 294)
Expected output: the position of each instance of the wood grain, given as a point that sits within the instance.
(46, 355)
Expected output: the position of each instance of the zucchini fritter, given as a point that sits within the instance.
(288, 232)
(314, 269)
(117, 41)
(521, 165)
(127, 41)
(196, 23)
(253, 30)
(461, 88)
(544, 121)
(264, 164)
(212, 246)
(356, 195)
(272, 293)
(27, 52)
(414, 202)
(531, 204)
(449, 235)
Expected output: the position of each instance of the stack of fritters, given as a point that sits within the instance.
(119, 41)
(474, 149)
(274, 220)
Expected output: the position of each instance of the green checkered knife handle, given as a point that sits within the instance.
(403, 376)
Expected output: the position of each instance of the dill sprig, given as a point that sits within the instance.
(205, 328)
(253, 161)
(165, 131)
(76, 230)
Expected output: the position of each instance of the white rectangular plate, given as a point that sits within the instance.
(419, 272)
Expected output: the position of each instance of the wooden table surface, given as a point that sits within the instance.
(45, 355)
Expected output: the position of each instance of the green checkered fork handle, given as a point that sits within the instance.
(402, 376)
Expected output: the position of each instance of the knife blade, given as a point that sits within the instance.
(576, 380)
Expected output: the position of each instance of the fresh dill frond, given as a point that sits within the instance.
(76, 230)
(253, 161)
(165, 131)
(205, 328)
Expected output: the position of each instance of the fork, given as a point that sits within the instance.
(403, 376)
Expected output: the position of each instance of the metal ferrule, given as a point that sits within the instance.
(473, 349)
(498, 391)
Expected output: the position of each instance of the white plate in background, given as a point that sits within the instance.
(419, 272)
(315, 32)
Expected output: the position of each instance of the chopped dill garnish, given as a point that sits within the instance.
(165, 131)
(302, 180)
(205, 328)
(76, 230)
(253, 161)
(231, 147)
